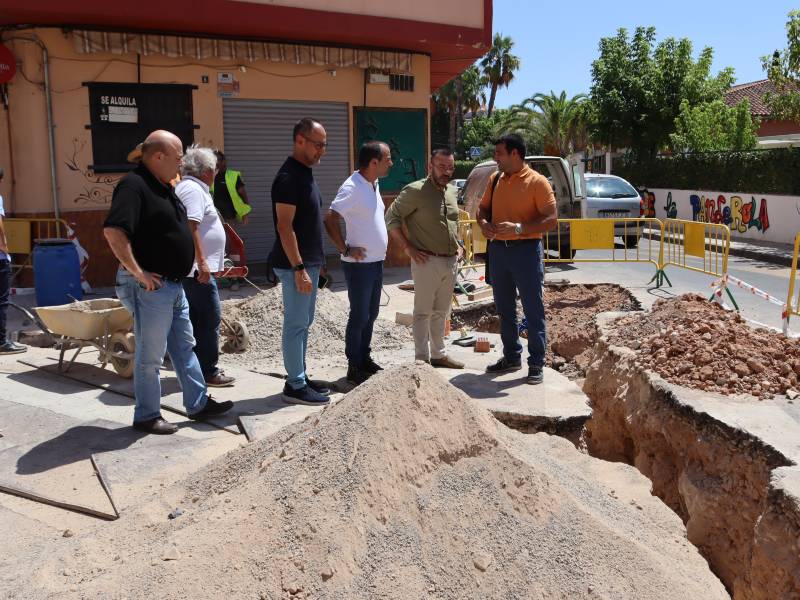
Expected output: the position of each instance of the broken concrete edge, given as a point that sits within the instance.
(22, 492)
(738, 495)
(670, 394)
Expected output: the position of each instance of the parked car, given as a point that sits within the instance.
(611, 197)
(568, 186)
(460, 183)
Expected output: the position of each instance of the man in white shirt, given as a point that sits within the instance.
(199, 168)
(6, 345)
(359, 203)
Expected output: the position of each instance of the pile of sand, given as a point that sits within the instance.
(693, 342)
(405, 489)
(263, 316)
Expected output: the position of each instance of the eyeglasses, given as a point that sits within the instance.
(316, 144)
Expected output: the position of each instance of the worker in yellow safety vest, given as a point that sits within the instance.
(230, 195)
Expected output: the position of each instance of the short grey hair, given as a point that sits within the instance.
(197, 160)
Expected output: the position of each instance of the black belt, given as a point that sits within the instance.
(435, 254)
(163, 277)
(508, 243)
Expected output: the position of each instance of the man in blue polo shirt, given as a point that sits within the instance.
(359, 203)
(297, 256)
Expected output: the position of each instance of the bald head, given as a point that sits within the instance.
(162, 153)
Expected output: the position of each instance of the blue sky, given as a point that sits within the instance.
(557, 41)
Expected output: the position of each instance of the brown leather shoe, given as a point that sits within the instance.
(220, 380)
(157, 426)
(447, 363)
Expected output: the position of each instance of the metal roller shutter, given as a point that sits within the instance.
(258, 138)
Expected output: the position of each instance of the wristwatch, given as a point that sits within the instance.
(518, 228)
(300, 267)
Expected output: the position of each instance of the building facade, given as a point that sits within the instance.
(231, 75)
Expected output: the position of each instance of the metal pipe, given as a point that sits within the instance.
(50, 126)
(50, 131)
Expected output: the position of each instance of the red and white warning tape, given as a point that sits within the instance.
(721, 284)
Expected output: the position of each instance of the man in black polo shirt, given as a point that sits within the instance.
(148, 232)
(297, 256)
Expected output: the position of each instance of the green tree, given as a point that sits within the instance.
(498, 66)
(714, 126)
(462, 94)
(638, 87)
(560, 121)
(783, 70)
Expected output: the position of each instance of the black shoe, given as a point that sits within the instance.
(371, 367)
(211, 409)
(12, 348)
(504, 365)
(305, 395)
(535, 375)
(155, 425)
(357, 376)
(321, 387)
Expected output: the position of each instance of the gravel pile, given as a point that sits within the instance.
(405, 489)
(696, 343)
(263, 316)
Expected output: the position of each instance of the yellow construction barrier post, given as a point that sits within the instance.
(709, 242)
(572, 235)
(792, 306)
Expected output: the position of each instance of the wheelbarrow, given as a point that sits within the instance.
(235, 334)
(103, 323)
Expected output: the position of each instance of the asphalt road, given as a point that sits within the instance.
(771, 278)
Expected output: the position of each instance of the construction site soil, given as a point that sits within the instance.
(263, 316)
(406, 489)
(570, 311)
(698, 344)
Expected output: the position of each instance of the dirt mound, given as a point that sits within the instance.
(570, 311)
(263, 316)
(693, 342)
(404, 489)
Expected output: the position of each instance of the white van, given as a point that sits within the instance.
(568, 187)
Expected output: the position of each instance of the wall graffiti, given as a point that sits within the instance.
(649, 199)
(739, 214)
(671, 208)
(96, 189)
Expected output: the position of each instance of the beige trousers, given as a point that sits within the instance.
(433, 293)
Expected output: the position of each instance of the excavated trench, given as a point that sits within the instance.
(698, 403)
(719, 460)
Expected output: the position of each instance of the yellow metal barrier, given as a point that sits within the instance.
(572, 235)
(22, 232)
(792, 300)
(710, 242)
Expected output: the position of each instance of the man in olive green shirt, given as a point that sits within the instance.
(429, 210)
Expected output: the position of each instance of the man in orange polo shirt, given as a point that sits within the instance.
(513, 215)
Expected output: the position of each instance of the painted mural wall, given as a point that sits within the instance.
(759, 217)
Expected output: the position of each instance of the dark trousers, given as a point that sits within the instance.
(5, 284)
(205, 314)
(364, 282)
(519, 268)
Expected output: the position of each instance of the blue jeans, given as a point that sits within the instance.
(205, 314)
(298, 314)
(364, 281)
(161, 323)
(5, 286)
(513, 268)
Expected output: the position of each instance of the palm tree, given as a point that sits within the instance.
(560, 121)
(498, 66)
(471, 86)
(446, 99)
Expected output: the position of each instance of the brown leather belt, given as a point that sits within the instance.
(439, 255)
